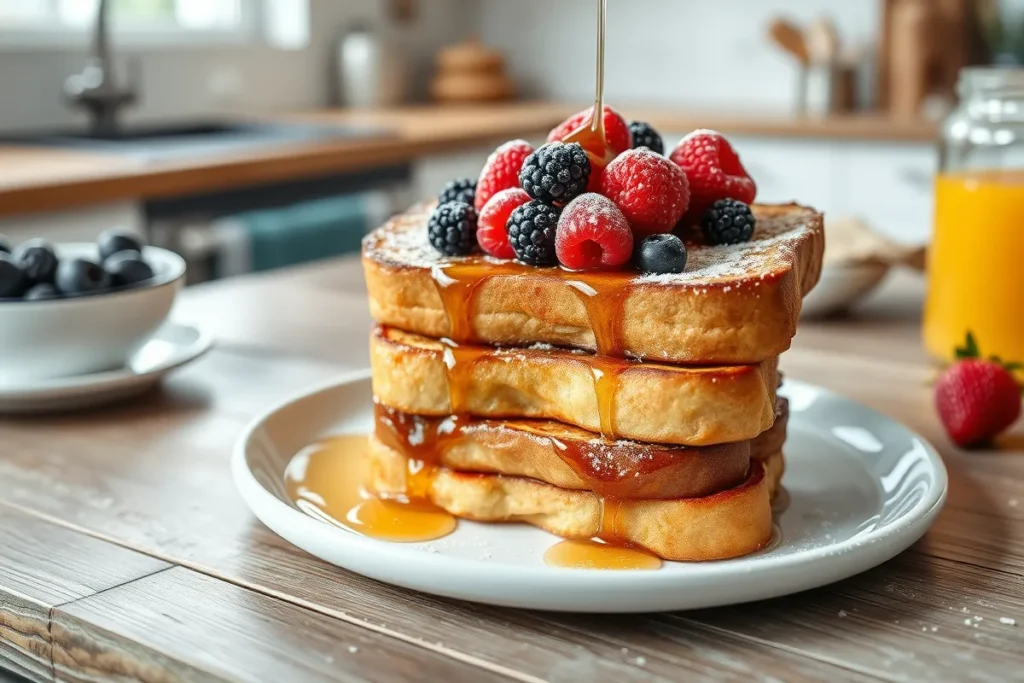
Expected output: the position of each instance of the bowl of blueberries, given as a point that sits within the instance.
(80, 308)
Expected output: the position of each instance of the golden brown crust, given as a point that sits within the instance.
(728, 524)
(572, 458)
(692, 406)
(733, 305)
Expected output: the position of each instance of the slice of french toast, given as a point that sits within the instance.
(572, 458)
(735, 304)
(730, 523)
(618, 398)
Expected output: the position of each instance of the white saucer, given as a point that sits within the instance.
(862, 488)
(171, 346)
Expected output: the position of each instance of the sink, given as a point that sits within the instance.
(196, 138)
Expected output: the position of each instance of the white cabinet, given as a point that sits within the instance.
(890, 187)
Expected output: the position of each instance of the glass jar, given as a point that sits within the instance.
(976, 260)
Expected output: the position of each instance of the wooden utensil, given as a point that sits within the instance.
(790, 38)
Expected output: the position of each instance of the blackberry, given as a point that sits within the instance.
(644, 135)
(728, 221)
(531, 232)
(5, 245)
(452, 229)
(556, 172)
(458, 190)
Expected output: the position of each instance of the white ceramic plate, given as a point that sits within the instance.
(862, 488)
(170, 347)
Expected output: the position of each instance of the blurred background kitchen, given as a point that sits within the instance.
(252, 134)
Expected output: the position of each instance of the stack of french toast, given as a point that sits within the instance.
(589, 342)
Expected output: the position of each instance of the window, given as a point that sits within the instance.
(33, 21)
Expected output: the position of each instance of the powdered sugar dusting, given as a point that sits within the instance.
(758, 256)
(403, 242)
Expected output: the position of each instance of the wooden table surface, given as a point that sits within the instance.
(49, 179)
(126, 553)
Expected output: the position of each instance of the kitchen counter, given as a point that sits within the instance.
(125, 551)
(52, 179)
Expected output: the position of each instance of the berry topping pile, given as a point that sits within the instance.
(33, 271)
(977, 399)
(588, 202)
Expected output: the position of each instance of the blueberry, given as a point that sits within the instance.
(5, 245)
(113, 240)
(38, 261)
(12, 280)
(127, 268)
(42, 292)
(79, 276)
(661, 254)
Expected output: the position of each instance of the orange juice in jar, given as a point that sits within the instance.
(976, 260)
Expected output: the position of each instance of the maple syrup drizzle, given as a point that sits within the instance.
(327, 480)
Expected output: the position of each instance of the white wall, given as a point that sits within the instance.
(703, 54)
(189, 81)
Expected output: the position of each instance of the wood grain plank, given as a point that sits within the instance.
(43, 565)
(183, 626)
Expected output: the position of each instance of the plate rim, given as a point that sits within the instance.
(107, 379)
(833, 560)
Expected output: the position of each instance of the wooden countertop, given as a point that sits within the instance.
(52, 179)
(125, 551)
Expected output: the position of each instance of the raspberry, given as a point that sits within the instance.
(492, 233)
(501, 171)
(616, 130)
(556, 172)
(714, 171)
(458, 190)
(593, 233)
(728, 222)
(452, 229)
(531, 231)
(644, 135)
(651, 191)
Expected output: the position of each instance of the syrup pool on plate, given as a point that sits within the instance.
(596, 554)
(327, 480)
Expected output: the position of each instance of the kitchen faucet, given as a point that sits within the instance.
(95, 89)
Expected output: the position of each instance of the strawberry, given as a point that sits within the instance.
(492, 233)
(616, 130)
(501, 171)
(714, 171)
(650, 190)
(977, 399)
(593, 233)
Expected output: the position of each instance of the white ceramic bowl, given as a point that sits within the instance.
(42, 340)
(841, 286)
